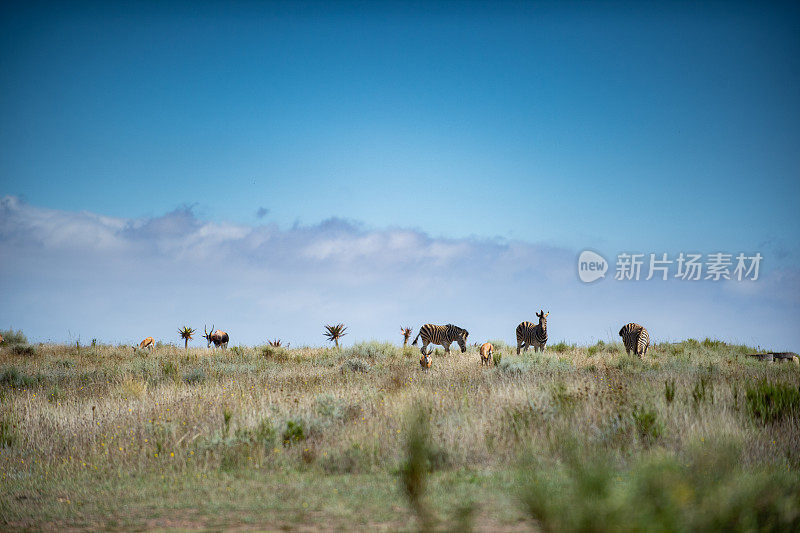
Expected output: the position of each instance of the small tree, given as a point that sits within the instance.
(334, 333)
(186, 334)
(406, 335)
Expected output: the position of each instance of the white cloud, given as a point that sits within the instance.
(118, 280)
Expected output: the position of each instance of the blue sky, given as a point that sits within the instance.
(614, 126)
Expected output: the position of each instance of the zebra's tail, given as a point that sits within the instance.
(416, 338)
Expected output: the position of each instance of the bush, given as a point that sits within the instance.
(703, 390)
(11, 337)
(356, 365)
(600, 346)
(15, 378)
(669, 390)
(23, 349)
(294, 432)
(770, 402)
(512, 366)
(8, 430)
(708, 491)
(353, 460)
(372, 350)
(194, 376)
(562, 347)
(647, 424)
(330, 406)
(273, 352)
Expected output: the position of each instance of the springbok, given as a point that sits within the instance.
(218, 337)
(147, 344)
(486, 353)
(1, 339)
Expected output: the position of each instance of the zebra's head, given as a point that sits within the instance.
(543, 318)
(462, 339)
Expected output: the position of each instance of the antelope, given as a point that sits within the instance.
(425, 361)
(1, 338)
(219, 337)
(486, 353)
(146, 344)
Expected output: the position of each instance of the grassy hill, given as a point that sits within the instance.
(695, 436)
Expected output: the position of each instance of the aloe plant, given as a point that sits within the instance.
(334, 333)
(186, 334)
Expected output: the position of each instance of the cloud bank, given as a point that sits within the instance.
(66, 274)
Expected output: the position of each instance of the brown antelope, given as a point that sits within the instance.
(425, 361)
(1, 338)
(147, 344)
(486, 353)
(218, 337)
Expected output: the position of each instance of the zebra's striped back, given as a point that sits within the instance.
(442, 335)
(635, 338)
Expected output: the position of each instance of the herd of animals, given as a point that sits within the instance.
(635, 338)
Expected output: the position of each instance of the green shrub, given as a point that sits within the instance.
(647, 424)
(356, 365)
(330, 406)
(169, 369)
(11, 337)
(703, 390)
(513, 366)
(669, 390)
(294, 432)
(497, 357)
(194, 376)
(561, 347)
(23, 350)
(598, 347)
(707, 491)
(372, 351)
(273, 352)
(770, 402)
(14, 378)
(352, 460)
(416, 465)
(8, 430)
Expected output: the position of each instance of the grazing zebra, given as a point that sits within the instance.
(530, 334)
(443, 336)
(425, 361)
(486, 353)
(635, 338)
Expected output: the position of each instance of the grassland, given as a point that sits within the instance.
(694, 437)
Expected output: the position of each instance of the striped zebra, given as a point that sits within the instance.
(530, 334)
(635, 338)
(441, 335)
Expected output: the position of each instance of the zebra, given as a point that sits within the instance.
(635, 338)
(441, 335)
(530, 334)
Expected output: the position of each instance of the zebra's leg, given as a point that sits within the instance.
(447, 349)
(519, 345)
